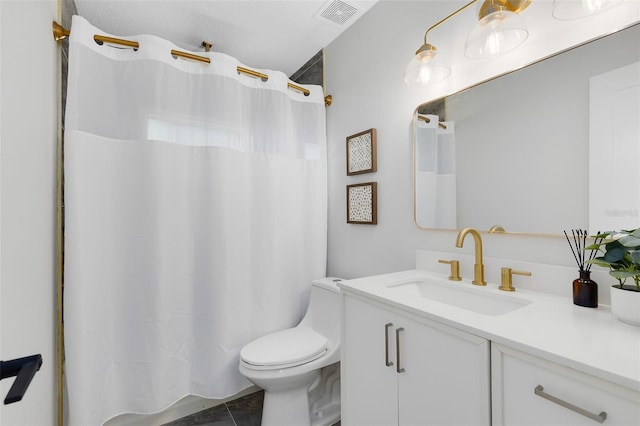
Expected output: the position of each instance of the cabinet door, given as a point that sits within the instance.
(368, 385)
(446, 378)
(564, 396)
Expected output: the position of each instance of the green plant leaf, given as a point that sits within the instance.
(630, 241)
(599, 261)
(603, 234)
(614, 254)
(621, 255)
(623, 274)
(593, 247)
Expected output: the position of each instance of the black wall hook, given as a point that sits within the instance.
(24, 368)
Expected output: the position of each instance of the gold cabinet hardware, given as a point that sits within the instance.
(455, 269)
(507, 274)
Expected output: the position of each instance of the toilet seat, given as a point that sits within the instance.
(284, 349)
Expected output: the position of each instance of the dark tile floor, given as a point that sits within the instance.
(244, 411)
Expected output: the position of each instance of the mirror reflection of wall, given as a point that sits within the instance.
(614, 148)
(522, 142)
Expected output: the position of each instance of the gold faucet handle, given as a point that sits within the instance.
(507, 274)
(455, 269)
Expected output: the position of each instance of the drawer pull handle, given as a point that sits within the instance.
(398, 369)
(386, 344)
(600, 418)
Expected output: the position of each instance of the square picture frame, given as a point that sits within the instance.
(361, 152)
(362, 203)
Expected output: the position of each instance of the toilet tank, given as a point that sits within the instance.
(323, 313)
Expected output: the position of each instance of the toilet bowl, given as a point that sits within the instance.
(298, 368)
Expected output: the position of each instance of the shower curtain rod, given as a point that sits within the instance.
(60, 33)
(428, 120)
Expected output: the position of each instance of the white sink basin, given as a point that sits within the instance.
(479, 300)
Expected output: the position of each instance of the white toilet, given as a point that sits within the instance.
(299, 368)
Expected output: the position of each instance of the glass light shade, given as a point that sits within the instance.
(495, 34)
(566, 10)
(422, 70)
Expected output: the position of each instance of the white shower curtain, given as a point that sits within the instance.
(435, 169)
(195, 220)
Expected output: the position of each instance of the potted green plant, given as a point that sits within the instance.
(621, 255)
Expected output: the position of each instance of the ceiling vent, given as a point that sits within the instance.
(336, 12)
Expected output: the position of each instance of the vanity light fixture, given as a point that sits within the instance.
(422, 70)
(566, 10)
(499, 30)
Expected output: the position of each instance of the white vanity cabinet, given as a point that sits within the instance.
(401, 369)
(527, 390)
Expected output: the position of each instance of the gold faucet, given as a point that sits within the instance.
(478, 267)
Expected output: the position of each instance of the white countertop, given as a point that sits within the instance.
(591, 340)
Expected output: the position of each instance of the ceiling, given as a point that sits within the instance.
(277, 35)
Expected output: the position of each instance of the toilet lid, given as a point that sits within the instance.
(287, 348)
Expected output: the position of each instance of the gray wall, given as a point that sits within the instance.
(28, 128)
(364, 69)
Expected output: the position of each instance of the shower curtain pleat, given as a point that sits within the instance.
(195, 220)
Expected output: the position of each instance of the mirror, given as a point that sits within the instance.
(514, 151)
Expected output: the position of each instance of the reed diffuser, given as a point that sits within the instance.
(585, 290)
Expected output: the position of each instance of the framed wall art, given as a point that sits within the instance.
(362, 203)
(361, 152)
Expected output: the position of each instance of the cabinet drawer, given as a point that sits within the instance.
(527, 390)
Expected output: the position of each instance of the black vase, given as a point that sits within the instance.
(585, 291)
